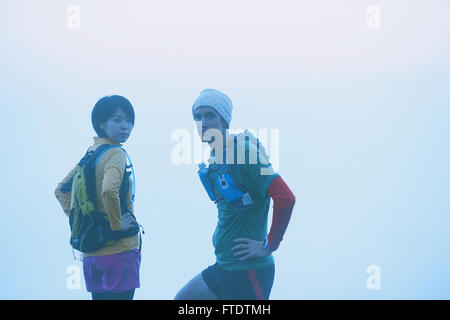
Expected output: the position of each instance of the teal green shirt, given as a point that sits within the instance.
(252, 223)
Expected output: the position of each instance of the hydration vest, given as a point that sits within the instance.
(237, 197)
(90, 229)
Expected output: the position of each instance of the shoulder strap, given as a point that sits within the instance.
(102, 149)
(132, 174)
(224, 168)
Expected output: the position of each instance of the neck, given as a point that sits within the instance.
(106, 139)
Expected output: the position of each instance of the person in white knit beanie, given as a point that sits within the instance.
(244, 267)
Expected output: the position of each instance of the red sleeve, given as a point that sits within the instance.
(283, 204)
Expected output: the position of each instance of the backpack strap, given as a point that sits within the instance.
(102, 149)
(132, 173)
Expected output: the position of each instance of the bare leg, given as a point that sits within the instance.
(196, 289)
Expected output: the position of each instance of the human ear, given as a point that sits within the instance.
(225, 124)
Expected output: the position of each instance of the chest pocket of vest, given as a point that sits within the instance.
(237, 197)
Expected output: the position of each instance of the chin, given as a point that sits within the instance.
(207, 140)
(121, 140)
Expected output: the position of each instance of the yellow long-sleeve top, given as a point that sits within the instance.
(109, 173)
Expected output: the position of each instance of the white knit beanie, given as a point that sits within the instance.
(216, 100)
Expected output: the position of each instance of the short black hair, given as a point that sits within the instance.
(106, 107)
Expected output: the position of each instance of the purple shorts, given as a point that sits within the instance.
(112, 273)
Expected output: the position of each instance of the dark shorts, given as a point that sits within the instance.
(112, 273)
(239, 285)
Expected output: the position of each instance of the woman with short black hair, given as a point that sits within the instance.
(113, 271)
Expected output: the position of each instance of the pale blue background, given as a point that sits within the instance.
(363, 118)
